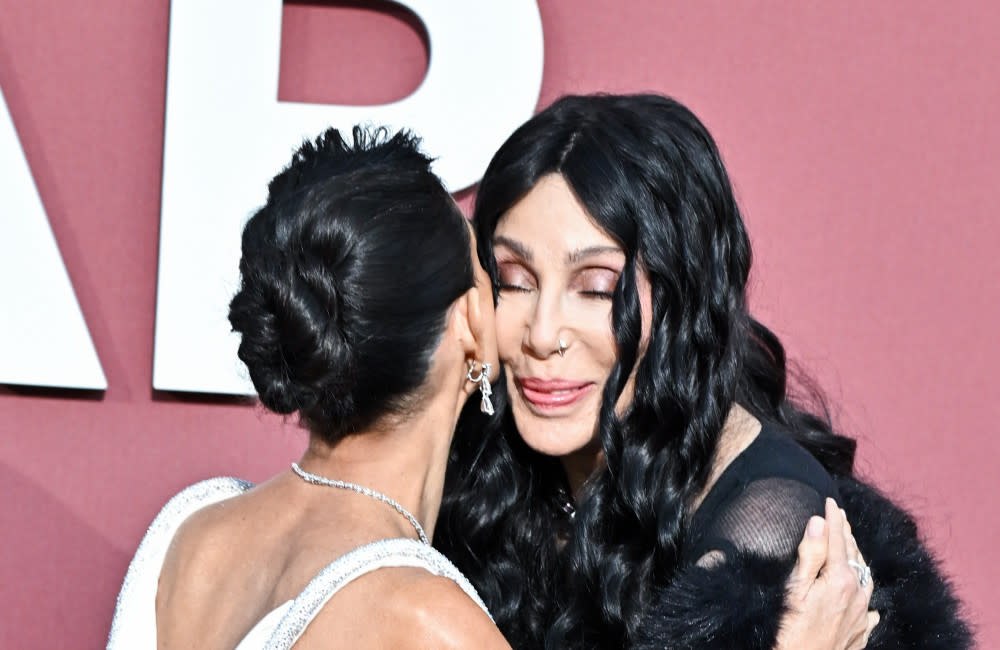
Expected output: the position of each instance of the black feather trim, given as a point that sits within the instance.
(736, 605)
(915, 601)
(740, 603)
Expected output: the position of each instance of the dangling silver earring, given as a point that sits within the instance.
(483, 379)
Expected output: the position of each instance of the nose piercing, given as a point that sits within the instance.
(562, 348)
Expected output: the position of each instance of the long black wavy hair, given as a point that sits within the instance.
(346, 277)
(649, 175)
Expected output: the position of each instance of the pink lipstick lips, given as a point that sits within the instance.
(552, 393)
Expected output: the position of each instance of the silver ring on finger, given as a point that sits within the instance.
(864, 572)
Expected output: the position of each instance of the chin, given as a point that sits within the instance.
(553, 437)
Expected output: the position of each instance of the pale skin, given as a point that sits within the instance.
(232, 563)
(557, 272)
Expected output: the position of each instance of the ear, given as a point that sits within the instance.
(462, 330)
(468, 321)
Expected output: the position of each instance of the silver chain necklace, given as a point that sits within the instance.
(360, 489)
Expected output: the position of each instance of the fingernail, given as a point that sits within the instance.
(815, 527)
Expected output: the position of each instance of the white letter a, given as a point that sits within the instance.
(44, 340)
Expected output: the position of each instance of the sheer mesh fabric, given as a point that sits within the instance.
(761, 502)
(767, 518)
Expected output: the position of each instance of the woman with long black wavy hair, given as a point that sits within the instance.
(648, 475)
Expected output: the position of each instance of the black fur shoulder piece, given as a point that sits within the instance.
(916, 602)
(737, 605)
(740, 604)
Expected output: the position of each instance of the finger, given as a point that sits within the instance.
(860, 599)
(812, 556)
(851, 547)
(853, 551)
(861, 640)
(873, 619)
(869, 589)
(837, 551)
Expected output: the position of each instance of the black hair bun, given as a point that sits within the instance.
(289, 314)
(347, 274)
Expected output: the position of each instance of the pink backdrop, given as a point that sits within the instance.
(863, 141)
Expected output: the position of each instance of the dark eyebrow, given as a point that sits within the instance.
(575, 257)
(515, 246)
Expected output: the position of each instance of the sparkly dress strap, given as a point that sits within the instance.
(134, 622)
(377, 555)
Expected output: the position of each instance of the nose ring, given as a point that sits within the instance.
(562, 348)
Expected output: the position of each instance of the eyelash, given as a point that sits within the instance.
(601, 295)
(512, 287)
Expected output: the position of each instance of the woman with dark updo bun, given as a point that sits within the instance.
(377, 348)
(364, 309)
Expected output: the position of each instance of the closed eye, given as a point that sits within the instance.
(596, 282)
(513, 276)
(513, 287)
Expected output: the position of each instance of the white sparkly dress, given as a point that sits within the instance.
(134, 623)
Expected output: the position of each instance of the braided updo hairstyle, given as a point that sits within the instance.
(347, 274)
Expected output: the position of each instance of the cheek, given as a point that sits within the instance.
(646, 305)
(509, 329)
(596, 332)
(605, 350)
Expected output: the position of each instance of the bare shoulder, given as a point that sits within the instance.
(442, 615)
(196, 553)
(199, 544)
(202, 561)
(403, 608)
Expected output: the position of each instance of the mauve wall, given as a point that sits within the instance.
(863, 140)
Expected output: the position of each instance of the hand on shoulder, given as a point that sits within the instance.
(828, 605)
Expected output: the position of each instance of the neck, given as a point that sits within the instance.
(739, 430)
(580, 466)
(404, 459)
